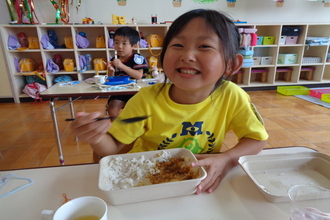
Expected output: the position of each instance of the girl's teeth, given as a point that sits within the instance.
(189, 72)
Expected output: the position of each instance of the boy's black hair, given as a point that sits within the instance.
(131, 34)
(218, 22)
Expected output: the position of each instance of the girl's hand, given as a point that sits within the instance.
(216, 165)
(87, 129)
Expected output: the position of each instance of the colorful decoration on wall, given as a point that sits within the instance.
(121, 2)
(22, 11)
(231, 3)
(62, 12)
(279, 3)
(205, 1)
(177, 3)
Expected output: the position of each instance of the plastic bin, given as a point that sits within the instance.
(259, 40)
(291, 40)
(318, 92)
(256, 60)
(268, 40)
(311, 60)
(291, 31)
(282, 39)
(293, 90)
(266, 60)
(325, 97)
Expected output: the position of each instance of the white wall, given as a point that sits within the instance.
(253, 11)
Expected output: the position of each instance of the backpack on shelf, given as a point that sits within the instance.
(33, 43)
(68, 65)
(100, 64)
(155, 40)
(53, 38)
(68, 42)
(27, 65)
(22, 39)
(100, 42)
(58, 60)
(152, 61)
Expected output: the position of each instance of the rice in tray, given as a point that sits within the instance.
(125, 173)
(122, 174)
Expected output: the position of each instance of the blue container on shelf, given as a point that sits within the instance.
(259, 40)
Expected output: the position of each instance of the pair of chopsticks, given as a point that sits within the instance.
(125, 120)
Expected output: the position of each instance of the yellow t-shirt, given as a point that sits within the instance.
(199, 127)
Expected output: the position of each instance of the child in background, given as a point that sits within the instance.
(126, 39)
(196, 110)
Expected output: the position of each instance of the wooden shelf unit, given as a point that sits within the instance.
(249, 79)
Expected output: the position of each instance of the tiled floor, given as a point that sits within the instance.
(27, 138)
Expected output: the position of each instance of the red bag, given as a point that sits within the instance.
(58, 60)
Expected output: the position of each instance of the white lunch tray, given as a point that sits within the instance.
(275, 174)
(150, 192)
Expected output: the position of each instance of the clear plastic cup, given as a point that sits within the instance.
(309, 202)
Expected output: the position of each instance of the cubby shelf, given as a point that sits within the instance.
(248, 78)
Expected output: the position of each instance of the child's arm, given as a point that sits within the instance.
(136, 74)
(95, 133)
(218, 165)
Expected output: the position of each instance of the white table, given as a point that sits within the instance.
(77, 91)
(237, 198)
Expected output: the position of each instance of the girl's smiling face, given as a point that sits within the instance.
(194, 59)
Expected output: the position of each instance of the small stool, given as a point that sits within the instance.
(261, 74)
(307, 73)
(284, 74)
(238, 77)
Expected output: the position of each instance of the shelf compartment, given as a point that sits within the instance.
(269, 30)
(92, 32)
(301, 36)
(287, 74)
(94, 55)
(261, 75)
(29, 31)
(316, 51)
(318, 30)
(326, 74)
(61, 32)
(265, 52)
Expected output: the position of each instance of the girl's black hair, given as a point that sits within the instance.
(219, 22)
(131, 34)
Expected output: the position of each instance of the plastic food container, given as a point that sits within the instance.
(318, 92)
(118, 80)
(325, 97)
(150, 192)
(275, 174)
(293, 90)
